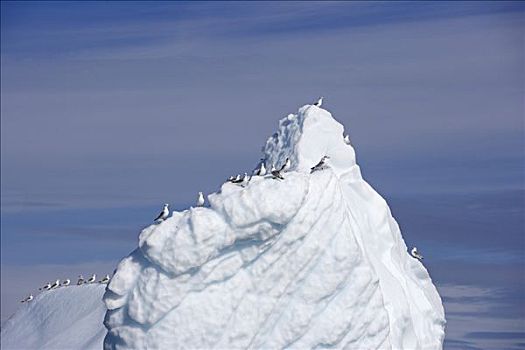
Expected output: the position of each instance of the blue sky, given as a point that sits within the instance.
(108, 106)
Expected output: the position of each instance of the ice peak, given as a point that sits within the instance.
(306, 137)
(305, 261)
(302, 261)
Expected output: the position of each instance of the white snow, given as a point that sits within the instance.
(312, 261)
(63, 318)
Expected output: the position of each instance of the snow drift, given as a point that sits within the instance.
(312, 261)
(65, 318)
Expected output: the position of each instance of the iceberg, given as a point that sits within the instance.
(65, 318)
(312, 261)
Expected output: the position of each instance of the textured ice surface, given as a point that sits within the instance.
(65, 318)
(313, 261)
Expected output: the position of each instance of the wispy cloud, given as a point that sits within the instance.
(121, 107)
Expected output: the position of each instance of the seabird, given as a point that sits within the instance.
(286, 165)
(237, 179)
(28, 299)
(104, 280)
(319, 102)
(276, 174)
(200, 200)
(319, 165)
(46, 287)
(347, 139)
(245, 179)
(231, 178)
(80, 280)
(92, 279)
(66, 282)
(164, 213)
(262, 170)
(416, 254)
(55, 285)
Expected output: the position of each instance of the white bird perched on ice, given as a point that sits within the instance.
(245, 179)
(81, 280)
(286, 165)
(104, 280)
(92, 279)
(56, 284)
(262, 170)
(319, 165)
(66, 282)
(200, 200)
(276, 174)
(319, 102)
(163, 214)
(28, 299)
(416, 254)
(347, 139)
(237, 179)
(46, 287)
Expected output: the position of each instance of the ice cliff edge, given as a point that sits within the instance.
(311, 261)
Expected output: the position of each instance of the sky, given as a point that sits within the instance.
(109, 109)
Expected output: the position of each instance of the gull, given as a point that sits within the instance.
(92, 278)
(347, 139)
(105, 280)
(55, 285)
(46, 287)
(276, 174)
(286, 165)
(200, 200)
(319, 102)
(319, 165)
(66, 282)
(80, 280)
(237, 179)
(163, 214)
(28, 299)
(260, 170)
(416, 254)
(240, 179)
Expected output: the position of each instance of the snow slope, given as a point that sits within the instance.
(312, 261)
(65, 318)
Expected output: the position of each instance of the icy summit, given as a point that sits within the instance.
(301, 254)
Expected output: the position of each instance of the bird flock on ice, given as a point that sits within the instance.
(67, 282)
(242, 180)
(260, 170)
(274, 173)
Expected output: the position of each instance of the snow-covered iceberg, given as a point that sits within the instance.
(65, 318)
(312, 261)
